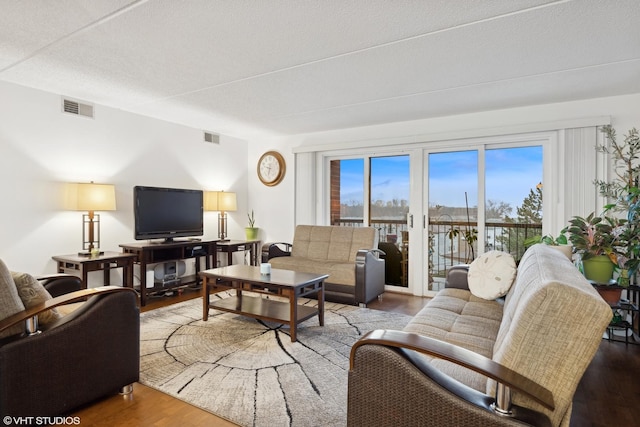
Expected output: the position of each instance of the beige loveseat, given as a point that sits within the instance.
(443, 367)
(346, 254)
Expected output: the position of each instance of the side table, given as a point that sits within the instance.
(231, 246)
(621, 311)
(105, 262)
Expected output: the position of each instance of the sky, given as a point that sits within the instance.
(510, 174)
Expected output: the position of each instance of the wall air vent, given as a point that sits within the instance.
(211, 138)
(77, 108)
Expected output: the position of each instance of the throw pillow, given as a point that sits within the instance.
(491, 275)
(10, 302)
(32, 293)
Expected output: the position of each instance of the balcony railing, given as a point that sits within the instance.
(448, 247)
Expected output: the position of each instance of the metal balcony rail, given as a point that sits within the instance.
(446, 239)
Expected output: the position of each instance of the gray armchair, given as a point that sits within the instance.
(92, 352)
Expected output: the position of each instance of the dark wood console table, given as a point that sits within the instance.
(152, 253)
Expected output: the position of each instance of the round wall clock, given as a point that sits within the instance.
(271, 168)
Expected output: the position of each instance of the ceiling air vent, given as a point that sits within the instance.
(211, 138)
(77, 108)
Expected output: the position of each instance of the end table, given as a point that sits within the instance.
(105, 262)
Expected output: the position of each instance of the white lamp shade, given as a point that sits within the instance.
(211, 200)
(90, 197)
(220, 201)
(227, 201)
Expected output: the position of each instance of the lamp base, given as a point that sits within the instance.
(88, 253)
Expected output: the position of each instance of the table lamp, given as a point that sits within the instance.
(222, 202)
(90, 197)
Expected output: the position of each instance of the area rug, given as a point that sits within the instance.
(248, 371)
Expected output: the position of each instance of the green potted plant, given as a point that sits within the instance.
(559, 242)
(631, 236)
(626, 173)
(594, 239)
(628, 239)
(623, 190)
(251, 231)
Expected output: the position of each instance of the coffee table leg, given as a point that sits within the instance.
(321, 304)
(293, 315)
(205, 298)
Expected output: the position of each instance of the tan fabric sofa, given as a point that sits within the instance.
(536, 343)
(347, 254)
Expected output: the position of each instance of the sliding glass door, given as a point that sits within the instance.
(374, 191)
(455, 203)
(479, 200)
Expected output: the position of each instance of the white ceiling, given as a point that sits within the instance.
(281, 67)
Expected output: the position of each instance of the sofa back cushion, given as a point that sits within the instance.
(332, 243)
(552, 325)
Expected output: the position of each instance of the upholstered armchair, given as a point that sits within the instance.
(59, 283)
(52, 363)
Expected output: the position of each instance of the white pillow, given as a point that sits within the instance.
(491, 275)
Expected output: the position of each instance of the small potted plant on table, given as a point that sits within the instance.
(251, 231)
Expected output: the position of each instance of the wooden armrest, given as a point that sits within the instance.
(459, 356)
(57, 301)
(54, 276)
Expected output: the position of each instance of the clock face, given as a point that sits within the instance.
(271, 168)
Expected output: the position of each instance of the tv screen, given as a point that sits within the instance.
(165, 213)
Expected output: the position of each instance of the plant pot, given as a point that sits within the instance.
(623, 279)
(598, 269)
(611, 294)
(251, 233)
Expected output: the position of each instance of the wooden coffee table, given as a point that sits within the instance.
(290, 284)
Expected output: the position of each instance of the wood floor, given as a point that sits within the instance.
(606, 396)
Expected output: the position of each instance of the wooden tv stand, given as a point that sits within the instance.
(149, 252)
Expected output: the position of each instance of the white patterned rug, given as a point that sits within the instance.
(248, 371)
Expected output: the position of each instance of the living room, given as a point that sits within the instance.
(142, 133)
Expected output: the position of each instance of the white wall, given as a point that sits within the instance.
(41, 148)
(275, 206)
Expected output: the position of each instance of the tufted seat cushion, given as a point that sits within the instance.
(459, 317)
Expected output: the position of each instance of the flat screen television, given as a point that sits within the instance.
(167, 213)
